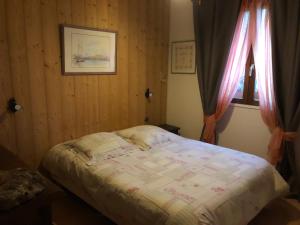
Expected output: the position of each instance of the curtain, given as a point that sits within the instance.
(235, 68)
(213, 35)
(262, 49)
(285, 17)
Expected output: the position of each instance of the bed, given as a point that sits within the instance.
(147, 176)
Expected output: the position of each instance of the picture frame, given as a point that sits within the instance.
(183, 57)
(88, 50)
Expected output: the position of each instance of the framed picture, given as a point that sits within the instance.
(183, 60)
(88, 50)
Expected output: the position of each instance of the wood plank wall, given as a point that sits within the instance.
(59, 108)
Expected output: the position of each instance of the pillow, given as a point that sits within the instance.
(147, 136)
(94, 145)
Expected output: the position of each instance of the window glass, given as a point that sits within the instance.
(240, 91)
(256, 91)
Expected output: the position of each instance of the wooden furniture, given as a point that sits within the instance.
(170, 128)
(36, 211)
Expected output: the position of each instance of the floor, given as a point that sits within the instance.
(69, 210)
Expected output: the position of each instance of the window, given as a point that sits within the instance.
(247, 92)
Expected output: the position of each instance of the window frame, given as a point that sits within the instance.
(249, 84)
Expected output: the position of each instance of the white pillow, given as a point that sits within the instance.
(94, 145)
(147, 136)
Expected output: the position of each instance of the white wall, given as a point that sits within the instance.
(241, 128)
(183, 103)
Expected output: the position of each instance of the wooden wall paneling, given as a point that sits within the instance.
(52, 71)
(20, 78)
(133, 79)
(155, 53)
(93, 80)
(142, 48)
(150, 59)
(148, 51)
(165, 55)
(123, 64)
(64, 16)
(161, 55)
(81, 82)
(113, 23)
(158, 60)
(35, 62)
(57, 107)
(7, 121)
(104, 80)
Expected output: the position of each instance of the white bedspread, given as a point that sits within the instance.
(180, 183)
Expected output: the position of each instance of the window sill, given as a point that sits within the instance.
(245, 106)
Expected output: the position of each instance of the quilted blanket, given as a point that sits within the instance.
(184, 182)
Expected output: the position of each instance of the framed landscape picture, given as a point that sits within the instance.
(88, 50)
(183, 60)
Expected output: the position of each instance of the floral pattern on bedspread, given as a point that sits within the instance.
(180, 183)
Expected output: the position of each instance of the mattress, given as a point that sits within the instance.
(184, 182)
